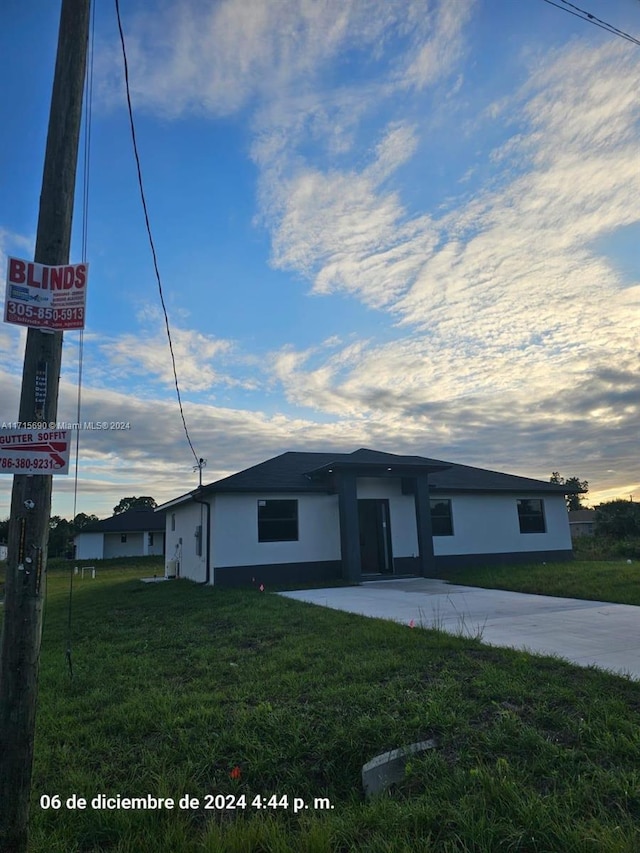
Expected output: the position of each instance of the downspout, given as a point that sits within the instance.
(208, 559)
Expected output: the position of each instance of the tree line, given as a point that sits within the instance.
(617, 519)
(62, 530)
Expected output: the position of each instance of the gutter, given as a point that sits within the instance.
(207, 579)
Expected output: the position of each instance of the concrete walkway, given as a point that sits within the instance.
(583, 632)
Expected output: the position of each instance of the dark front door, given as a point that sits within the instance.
(375, 536)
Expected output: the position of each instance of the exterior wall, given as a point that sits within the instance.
(235, 531)
(89, 546)
(98, 546)
(181, 542)
(402, 513)
(157, 548)
(504, 558)
(483, 525)
(581, 528)
(272, 574)
(488, 524)
(113, 547)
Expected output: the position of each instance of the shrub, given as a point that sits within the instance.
(629, 547)
(618, 519)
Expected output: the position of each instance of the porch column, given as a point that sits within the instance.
(423, 524)
(349, 527)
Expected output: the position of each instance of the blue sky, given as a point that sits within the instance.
(411, 226)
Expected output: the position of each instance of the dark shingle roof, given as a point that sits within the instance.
(128, 522)
(303, 472)
(464, 478)
(371, 460)
(286, 472)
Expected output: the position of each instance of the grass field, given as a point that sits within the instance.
(180, 690)
(596, 580)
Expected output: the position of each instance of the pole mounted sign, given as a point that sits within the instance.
(34, 451)
(45, 297)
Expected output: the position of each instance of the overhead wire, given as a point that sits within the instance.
(148, 226)
(577, 12)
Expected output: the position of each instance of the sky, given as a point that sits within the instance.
(408, 225)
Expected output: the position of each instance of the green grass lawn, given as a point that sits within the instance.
(181, 690)
(596, 580)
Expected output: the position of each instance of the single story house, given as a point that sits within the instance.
(135, 533)
(581, 522)
(316, 517)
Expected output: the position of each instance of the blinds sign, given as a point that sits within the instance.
(45, 297)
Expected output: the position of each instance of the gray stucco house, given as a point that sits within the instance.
(314, 517)
(582, 522)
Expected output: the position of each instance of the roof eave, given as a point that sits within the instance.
(182, 499)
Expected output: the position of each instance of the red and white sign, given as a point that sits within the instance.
(45, 297)
(34, 451)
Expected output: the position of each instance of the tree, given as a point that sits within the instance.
(4, 530)
(60, 536)
(62, 532)
(82, 519)
(618, 519)
(573, 501)
(126, 504)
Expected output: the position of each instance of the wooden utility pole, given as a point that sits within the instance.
(31, 496)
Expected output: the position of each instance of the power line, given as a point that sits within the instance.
(146, 219)
(592, 19)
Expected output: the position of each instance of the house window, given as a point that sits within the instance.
(278, 521)
(123, 537)
(441, 518)
(531, 515)
(150, 539)
(173, 521)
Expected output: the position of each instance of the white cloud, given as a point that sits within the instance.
(343, 228)
(338, 230)
(152, 455)
(148, 355)
(217, 58)
(506, 313)
(439, 53)
(512, 313)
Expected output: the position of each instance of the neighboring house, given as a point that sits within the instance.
(135, 533)
(314, 517)
(3, 552)
(581, 522)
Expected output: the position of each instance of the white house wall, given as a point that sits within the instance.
(89, 546)
(235, 531)
(155, 548)
(402, 512)
(488, 524)
(181, 542)
(115, 547)
(482, 524)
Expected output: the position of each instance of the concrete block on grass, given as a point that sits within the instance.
(389, 767)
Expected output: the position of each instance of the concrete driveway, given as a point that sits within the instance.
(583, 632)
